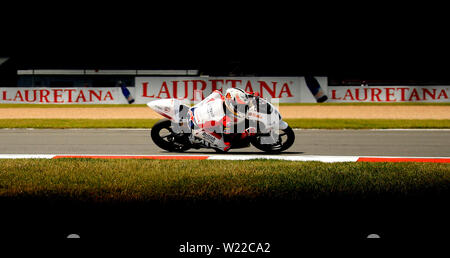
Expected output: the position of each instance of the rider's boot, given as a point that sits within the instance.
(251, 131)
(213, 140)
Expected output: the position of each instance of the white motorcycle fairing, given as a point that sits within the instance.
(273, 135)
(271, 121)
(169, 108)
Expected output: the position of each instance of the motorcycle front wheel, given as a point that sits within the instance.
(163, 136)
(286, 138)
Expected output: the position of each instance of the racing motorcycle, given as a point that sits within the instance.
(273, 135)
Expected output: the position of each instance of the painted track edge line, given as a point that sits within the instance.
(159, 157)
(26, 156)
(403, 159)
(234, 157)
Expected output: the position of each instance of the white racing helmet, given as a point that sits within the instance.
(237, 102)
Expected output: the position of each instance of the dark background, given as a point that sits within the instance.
(384, 42)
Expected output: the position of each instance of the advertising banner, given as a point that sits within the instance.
(194, 89)
(388, 94)
(87, 95)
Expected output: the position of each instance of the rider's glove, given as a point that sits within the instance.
(251, 131)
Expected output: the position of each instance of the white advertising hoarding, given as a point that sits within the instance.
(87, 95)
(194, 89)
(388, 94)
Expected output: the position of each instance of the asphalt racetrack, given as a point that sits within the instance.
(412, 143)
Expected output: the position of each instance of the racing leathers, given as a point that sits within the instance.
(210, 121)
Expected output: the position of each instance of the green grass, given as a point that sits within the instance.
(281, 104)
(77, 123)
(294, 123)
(367, 123)
(68, 105)
(368, 104)
(104, 181)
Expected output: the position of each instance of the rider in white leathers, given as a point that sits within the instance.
(217, 114)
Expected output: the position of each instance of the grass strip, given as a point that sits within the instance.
(294, 123)
(368, 104)
(77, 123)
(368, 123)
(69, 105)
(177, 180)
(281, 104)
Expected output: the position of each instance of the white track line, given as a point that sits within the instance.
(329, 159)
(26, 156)
(292, 158)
